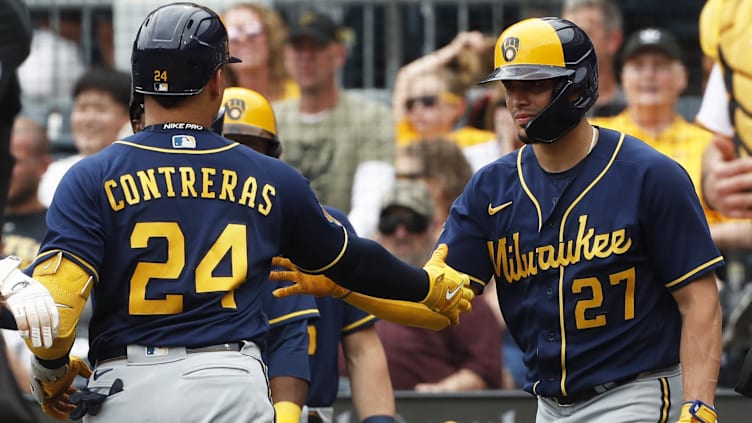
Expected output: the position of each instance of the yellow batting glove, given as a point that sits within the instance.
(303, 283)
(449, 293)
(697, 412)
(52, 387)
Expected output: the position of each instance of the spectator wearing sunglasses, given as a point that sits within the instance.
(257, 36)
(429, 99)
(458, 358)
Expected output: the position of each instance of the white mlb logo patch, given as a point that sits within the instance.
(161, 86)
(183, 141)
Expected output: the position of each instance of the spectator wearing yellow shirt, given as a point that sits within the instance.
(653, 78)
(429, 99)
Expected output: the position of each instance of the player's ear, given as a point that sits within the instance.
(216, 83)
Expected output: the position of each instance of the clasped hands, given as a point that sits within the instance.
(449, 293)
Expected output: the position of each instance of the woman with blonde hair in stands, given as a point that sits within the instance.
(429, 99)
(257, 36)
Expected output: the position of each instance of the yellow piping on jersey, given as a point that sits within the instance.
(311, 311)
(562, 328)
(360, 322)
(336, 259)
(527, 189)
(78, 260)
(693, 272)
(478, 281)
(174, 151)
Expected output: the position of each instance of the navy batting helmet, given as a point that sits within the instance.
(178, 48)
(550, 48)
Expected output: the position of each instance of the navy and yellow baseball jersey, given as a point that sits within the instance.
(286, 352)
(338, 319)
(178, 226)
(585, 260)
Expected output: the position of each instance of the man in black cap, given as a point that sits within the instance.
(653, 77)
(342, 142)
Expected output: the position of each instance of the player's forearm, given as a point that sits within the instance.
(701, 344)
(70, 284)
(400, 312)
(291, 389)
(461, 380)
(368, 268)
(369, 375)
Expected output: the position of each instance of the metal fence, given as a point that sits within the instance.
(387, 33)
(76, 34)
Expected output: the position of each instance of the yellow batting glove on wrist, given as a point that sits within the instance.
(303, 283)
(697, 412)
(52, 387)
(448, 293)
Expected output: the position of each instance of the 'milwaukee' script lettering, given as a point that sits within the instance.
(513, 265)
(186, 182)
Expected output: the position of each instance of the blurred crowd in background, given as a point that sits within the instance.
(383, 113)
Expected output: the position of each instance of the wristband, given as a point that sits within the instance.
(287, 412)
(702, 412)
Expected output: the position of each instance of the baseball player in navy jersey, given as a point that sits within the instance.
(172, 232)
(598, 244)
(341, 322)
(286, 352)
(249, 120)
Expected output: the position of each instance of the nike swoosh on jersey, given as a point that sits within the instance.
(451, 293)
(62, 305)
(493, 210)
(98, 373)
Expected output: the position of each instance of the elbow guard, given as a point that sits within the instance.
(401, 312)
(69, 284)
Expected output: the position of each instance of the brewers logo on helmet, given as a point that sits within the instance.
(550, 48)
(249, 118)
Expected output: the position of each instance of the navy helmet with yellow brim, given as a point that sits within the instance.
(550, 48)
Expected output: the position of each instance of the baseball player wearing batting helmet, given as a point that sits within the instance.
(598, 244)
(172, 232)
(249, 119)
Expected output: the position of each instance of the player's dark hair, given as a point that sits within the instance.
(117, 84)
(169, 102)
